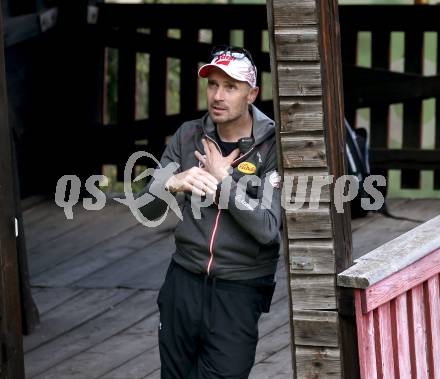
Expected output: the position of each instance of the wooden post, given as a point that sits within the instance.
(12, 365)
(306, 69)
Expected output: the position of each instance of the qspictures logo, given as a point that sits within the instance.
(295, 193)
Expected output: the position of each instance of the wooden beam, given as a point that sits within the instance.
(405, 158)
(21, 28)
(389, 17)
(334, 132)
(12, 365)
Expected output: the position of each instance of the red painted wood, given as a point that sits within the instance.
(399, 325)
(400, 282)
(383, 335)
(417, 328)
(366, 344)
(432, 301)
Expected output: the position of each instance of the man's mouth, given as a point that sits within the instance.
(218, 109)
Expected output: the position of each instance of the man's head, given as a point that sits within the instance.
(231, 84)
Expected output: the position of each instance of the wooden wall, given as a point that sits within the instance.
(306, 65)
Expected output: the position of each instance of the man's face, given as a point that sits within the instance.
(228, 99)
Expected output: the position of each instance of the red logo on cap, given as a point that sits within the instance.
(224, 59)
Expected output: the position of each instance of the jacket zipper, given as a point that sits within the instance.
(214, 229)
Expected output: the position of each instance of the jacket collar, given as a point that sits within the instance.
(262, 128)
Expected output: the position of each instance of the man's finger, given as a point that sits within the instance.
(199, 156)
(206, 147)
(208, 179)
(233, 155)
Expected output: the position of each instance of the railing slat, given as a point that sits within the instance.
(188, 72)
(433, 324)
(399, 315)
(437, 117)
(366, 345)
(412, 109)
(385, 342)
(417, 335)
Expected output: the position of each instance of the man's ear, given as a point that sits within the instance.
(253, 93)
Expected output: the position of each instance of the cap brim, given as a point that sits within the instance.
(205, 70)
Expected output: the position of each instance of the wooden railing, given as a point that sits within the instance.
(376, 87)
(397, 301)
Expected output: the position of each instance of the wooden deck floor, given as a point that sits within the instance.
(95, 281)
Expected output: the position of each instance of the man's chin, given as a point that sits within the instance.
(218, 119)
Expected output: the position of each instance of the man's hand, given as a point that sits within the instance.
(216, 164)
(194, 180)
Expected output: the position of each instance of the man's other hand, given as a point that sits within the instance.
(194, 180)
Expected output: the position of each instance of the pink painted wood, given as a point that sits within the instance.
(417, 333)
(366, 343)
(399, 332)
(402, 281)
(433, 317)
(399, 312)
(384, 340)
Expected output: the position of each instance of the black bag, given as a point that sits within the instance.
(357, 164)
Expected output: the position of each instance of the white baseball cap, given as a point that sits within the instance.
(235, 64)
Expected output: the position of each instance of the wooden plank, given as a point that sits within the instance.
(102, 255)
(311, 256)
(417, 334)
(407, 88)
(316, 328)
(309, 223)
(437, 121)
(379, 114)
(11, 348)
(299, 79)
(73, 313)
(143, 365)
(304, 189)
(288, 13)
(188, 72)
(318, 362)
(399, 325)
(273, 342)
(412, 109)
(405, 158)
(112, 352)
(299, 115)
(393, 256)
(132, 268)
(130, 311)
(385, 341)
(400, 282)
(297, 44)
(109, 222)
(277, 366)
(179, 16)
(366, 343)
(432, 304)
(49, 298)
(313, 292)
(309, 186)
(304, 151)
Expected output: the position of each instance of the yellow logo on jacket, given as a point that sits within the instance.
(247, 167)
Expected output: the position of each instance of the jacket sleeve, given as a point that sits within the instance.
(259, 215)
(157, 207)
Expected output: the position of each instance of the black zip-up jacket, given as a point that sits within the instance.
(242, 241)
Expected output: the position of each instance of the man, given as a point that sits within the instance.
(221, 277)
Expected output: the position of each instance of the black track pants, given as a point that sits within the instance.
(208, 328)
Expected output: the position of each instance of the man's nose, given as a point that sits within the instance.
(219, 94)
